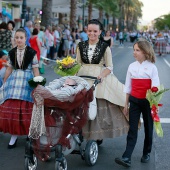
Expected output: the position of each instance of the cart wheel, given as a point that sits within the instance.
(91, 152)
(29, 165)
(61, 165)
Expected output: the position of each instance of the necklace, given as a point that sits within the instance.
(20, 58)
(21, 48)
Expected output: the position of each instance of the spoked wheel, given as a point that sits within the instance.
(91, 152)
(29, 165)
(61, 165)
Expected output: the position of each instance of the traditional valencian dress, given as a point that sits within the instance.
(140, 77)
(160, 45)
(110, 122)
(15, 95)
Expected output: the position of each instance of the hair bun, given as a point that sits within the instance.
(97, 22)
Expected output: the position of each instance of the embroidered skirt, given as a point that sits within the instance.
(110, 122)
(15, 116)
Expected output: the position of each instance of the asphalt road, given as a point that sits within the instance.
(111, 148)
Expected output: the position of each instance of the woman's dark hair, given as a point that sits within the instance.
(96, 22)
(35, 31)
(21, 30)
(4, 25)
(12, 23)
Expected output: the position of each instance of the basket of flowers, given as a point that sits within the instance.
(66, 67)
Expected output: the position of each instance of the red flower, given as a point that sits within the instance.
(154, 89)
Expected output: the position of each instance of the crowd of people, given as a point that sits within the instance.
(24, 49)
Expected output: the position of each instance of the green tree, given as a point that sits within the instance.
(162, 22)
(133, 12)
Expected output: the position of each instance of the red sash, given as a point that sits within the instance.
(139, 87)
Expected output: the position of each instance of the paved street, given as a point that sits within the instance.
(111, 148)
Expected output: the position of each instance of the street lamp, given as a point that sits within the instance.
(24, 10)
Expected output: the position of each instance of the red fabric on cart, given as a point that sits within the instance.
(75, 117)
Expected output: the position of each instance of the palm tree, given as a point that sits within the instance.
(133, 11)
(47, 12)
(73, 8)
(108, 6)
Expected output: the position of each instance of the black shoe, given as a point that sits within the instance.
(99, 142)
(126, 162)
(145, 158)
(12, 146)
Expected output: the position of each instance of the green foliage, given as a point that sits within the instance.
(67, 71)
(162, 22)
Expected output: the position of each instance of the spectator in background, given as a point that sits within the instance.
(57, 39)
(5, 37)
(49, 42)
(121, 38)
(11, 26)
(35, 43)
(108, 38)
(66, 38)
(28, 28)
(83, 34)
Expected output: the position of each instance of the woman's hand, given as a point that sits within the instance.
(100, 77)
(126, 110)
(104, 73)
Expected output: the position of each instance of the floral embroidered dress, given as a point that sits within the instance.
(15, 94)
(110, 122)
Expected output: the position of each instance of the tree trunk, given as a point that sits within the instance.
(90, 11)
(107, 22)
(73, 8)
(60, 19)
(114, 23)
(101, 15)
(47, 12)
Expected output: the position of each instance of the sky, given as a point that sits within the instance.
(153, 9)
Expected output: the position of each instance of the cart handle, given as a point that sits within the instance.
(97, 81)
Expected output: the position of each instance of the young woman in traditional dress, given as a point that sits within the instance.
(96, 59)
(15, 96)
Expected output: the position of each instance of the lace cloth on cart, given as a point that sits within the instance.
(56, 93)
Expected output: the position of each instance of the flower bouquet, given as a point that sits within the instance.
(154, 95)
(67, 67)
(35, 81)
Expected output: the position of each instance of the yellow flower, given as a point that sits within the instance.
(60, 67)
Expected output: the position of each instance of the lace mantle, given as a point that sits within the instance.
(98, 52)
